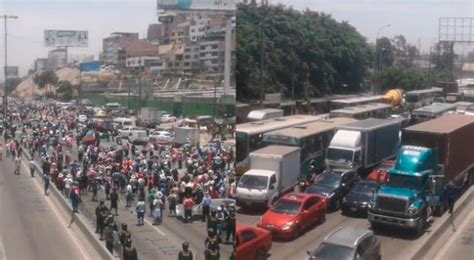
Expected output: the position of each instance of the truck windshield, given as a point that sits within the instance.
(406, 181)
(253, 182)
(335, 154)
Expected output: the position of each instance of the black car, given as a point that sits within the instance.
(334, 185)
(358, 198)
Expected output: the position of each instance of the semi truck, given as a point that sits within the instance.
(364, 144)
(432, 154)
(274, 170)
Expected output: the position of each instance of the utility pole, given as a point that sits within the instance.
(5, 99)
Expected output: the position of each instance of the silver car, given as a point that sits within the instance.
(348, 243)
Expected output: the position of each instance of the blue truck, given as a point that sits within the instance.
(432, 154)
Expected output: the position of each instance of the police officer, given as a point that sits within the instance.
(101, 212)
(212, 245)
(129, 251)
(212, 221)
(230, 227)
(185, 253)
(124, 234)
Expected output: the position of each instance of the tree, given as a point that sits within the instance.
(404, 53)
(295, 44)
(444, 56)
(65, 91)
(384, 53)
(411, 79)
(12, 83)
(45, 79)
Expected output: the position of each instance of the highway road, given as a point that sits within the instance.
(30, 225)
(164, 240)
(396, 243)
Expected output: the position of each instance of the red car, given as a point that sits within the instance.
(289, 216)
(252, 243)
(380, 172)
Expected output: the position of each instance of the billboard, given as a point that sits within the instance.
(197, 5)
(57, 38)
(89, 66)
(11, 71)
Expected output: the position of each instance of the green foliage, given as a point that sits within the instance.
(444, 56)
(411, 79)
(65, 90)
(45, 78)
(12, 83)
(307, 50)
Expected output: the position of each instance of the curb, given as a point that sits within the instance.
(434, 239)
(78, 220)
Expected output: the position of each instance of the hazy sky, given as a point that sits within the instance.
(416, 19)
(99, 17)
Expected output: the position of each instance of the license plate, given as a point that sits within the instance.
(353, 209)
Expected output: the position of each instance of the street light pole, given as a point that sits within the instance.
(5, 93)
(375, 58)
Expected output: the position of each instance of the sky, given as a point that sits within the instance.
(417, 20)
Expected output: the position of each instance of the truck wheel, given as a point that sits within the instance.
(261, 254)
(439, 210)
(321, 218)
(421, 226)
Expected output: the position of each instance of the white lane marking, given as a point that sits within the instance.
(3, 254)
(149, 223)
(58, 215)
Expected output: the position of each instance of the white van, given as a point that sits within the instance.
(262, 114)
(138, 137)
(122, 122)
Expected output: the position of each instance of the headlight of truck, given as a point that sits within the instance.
(288, 225)
(331, 194)
(412, 210)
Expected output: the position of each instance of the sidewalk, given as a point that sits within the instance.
(461, 244)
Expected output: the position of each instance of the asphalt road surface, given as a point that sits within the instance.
(30, 225)
(395, 243)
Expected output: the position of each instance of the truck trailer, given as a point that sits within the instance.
(433, 154)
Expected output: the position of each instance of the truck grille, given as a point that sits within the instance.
(391, 204)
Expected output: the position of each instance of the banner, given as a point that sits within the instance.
(196, 5)
(55, 38)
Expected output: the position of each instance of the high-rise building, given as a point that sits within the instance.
(57, 58)
(111, 49)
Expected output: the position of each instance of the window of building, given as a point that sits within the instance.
(215, 46)
(187, 57)
(215, 61)
(215, 53)
(186, 64)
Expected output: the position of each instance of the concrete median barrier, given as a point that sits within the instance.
(440, 232)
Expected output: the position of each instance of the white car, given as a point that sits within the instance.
(126, 131)
(161, 136)
(82, 119)
(167, 118)
(197, 209)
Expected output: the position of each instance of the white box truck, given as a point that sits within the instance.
(274, 170)
(150, 115)
(364, 144)
(186, 134)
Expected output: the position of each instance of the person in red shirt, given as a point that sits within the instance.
(188, 204)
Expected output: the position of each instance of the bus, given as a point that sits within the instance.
(423, 97)
(432, 111)
(249, 136)
(313, 139)
(355, 101)
(375, 110)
